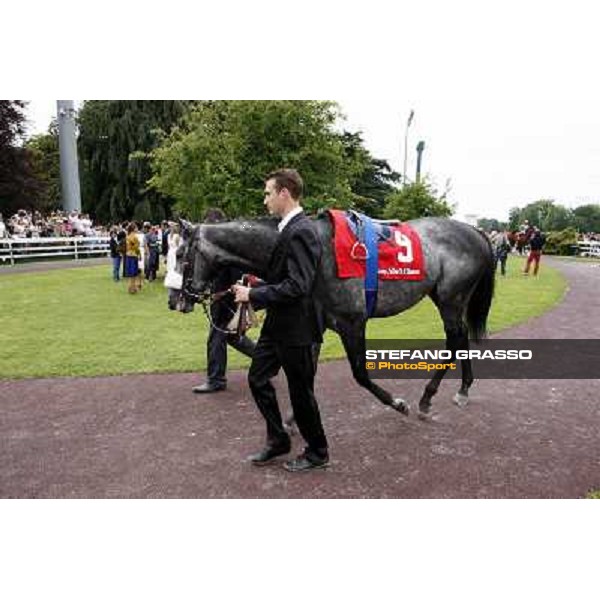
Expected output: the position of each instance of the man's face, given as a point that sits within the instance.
(276, 202)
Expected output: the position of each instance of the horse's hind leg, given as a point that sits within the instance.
(457, 338)
(353, 338)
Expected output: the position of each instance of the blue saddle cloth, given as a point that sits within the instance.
(382, 229)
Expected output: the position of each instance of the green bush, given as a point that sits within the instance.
(562, 242)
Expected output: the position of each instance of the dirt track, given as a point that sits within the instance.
(149, 436)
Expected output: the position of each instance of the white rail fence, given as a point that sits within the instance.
(588, 249)
(12, 250)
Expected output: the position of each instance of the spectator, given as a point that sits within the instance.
(115, 253)
(122, 243)
(173, 241)
(536, 243)
(153, 254)
(165, 239)
(501, 247)
(75, 222)
(143, 251)
(132, 256)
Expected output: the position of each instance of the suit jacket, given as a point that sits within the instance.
(294, 316)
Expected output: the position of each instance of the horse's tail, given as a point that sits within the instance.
(481, 299)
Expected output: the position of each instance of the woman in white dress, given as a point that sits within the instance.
(172, 278)
(142, 259)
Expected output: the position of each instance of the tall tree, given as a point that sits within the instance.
(45, 161)
(222, 152)
(514, 218)
(19, 188)
(417, 200)
(372, 179)
(545, 214)
(116, 138)
(587, 218)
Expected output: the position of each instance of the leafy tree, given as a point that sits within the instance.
(514, 218)
(417, 200)
(116, 138)
(545, 214)
(372, 179)
(45, 161)
(561, 242)
(586, 218)
(221, 153)
(558, 218)
(19, 188)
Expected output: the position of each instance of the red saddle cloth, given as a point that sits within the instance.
(400, 256)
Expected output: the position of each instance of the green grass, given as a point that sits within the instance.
(78, 322)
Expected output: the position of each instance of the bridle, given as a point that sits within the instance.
(187, 290)
(206, 298)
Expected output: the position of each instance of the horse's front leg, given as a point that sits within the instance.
(352, 333)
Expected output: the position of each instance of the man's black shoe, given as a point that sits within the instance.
(207, 388)
(303, 463)
(267, 454)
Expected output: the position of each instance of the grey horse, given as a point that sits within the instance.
(459, 280)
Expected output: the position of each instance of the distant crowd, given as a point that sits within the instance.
(25, 224)
(136, 251)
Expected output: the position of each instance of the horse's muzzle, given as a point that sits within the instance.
(178, 301)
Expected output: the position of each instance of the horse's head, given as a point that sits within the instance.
(196, 262)
(207, 248)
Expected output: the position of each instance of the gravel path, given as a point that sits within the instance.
(148, 436)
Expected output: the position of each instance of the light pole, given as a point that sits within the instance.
(410, 118)
(420, 148)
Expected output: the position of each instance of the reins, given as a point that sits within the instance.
(207, 300)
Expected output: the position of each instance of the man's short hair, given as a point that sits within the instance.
(290, 180)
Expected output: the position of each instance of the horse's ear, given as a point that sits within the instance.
(186, 227)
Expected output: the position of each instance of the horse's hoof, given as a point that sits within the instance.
(461, 400)
(401, 406)
(427, 417)
(424, 407)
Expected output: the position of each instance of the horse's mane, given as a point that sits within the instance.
(263, 220)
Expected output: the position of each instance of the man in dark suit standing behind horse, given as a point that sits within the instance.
(293, 325)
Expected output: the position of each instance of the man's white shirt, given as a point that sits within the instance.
(282, 224)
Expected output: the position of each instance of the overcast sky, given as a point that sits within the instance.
(505, 96)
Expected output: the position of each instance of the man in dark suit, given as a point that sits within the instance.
(292, 328)
(221, 313)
